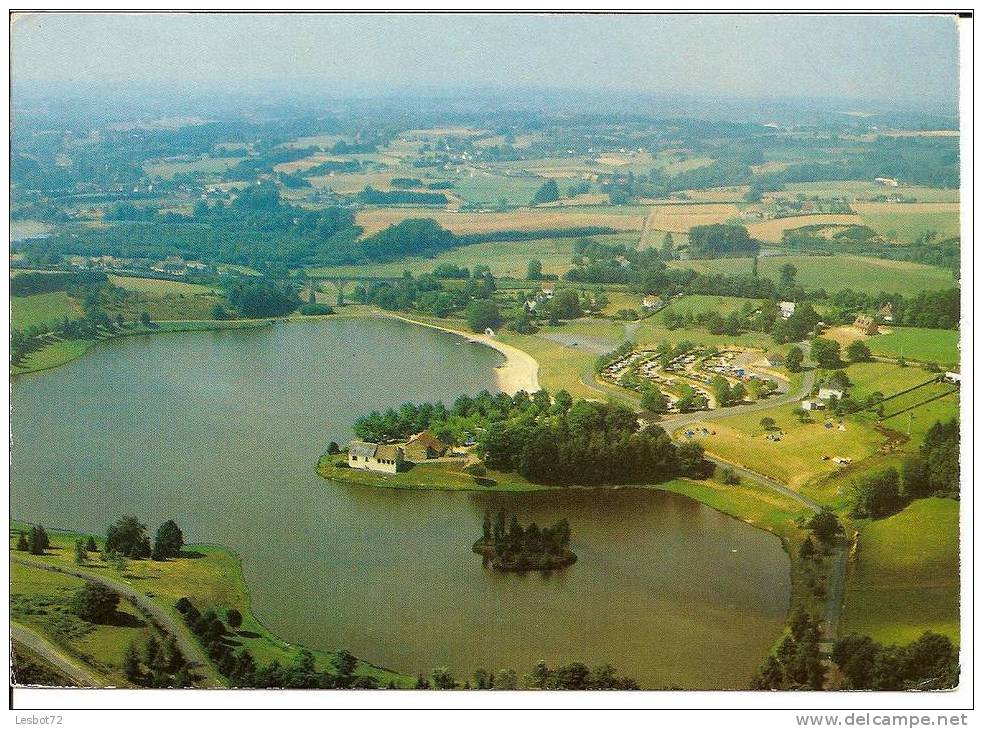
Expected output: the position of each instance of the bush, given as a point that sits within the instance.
(95, 603)
(316, 309)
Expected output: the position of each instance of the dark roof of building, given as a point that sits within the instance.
(362, 449)
(427, 440)
(389, 452)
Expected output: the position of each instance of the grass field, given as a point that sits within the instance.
(871, 275)
(159, 286)
(210, 577)
(770, 231)
(42, 600)
(863, 189)
(442, 475)
(680, 218)
(797, 458)
(884, 377)
(375, 219)
(488, 189)
(923, 415)
(924, 345)
(206, 165)
(506, 259)
(698, 303)
(906, 222)
(23, 229)
(906, 577)
(26, 311)
(651, 333)
(560, 367)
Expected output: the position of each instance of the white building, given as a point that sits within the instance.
(787, 308)
(650, 302)
(828, 393)
(374, 457)
(952, 377)
(813, 405)
(886, 181)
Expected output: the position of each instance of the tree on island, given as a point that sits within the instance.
(521, 549)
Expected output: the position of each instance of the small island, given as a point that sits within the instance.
(519, 549)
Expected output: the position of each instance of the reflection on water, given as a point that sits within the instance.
(221, 431)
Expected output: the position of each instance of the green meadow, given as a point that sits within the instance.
(923, 345)
(833, 273)
(26, 311)
(906, 576)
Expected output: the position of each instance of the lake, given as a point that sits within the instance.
(221, 432)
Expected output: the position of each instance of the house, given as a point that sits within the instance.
(651, 302)
(809, 405)
(828, 393)
(547, 290)
(865, 324)
(775, 359)
(787, 308)
(886, 181)
(424, 446)
(952, 377)
(374, 457)
(886, 312)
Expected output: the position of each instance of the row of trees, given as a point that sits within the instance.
(569, 677)
(933, 470)
(239, 666)
(128, 537)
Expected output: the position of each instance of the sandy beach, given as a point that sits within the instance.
(520, 370)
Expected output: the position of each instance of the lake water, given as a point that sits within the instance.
(221, 431)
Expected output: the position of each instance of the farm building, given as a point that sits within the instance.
(952, 377)
(886, 181)
(547, 290)
(828, 393)
(787, 308)
(865, 324)
(809, 405)
(651, 302)
(424, 446)
(374, 457)
(886, 312)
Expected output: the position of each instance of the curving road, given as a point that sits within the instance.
(54, 655)
(192, 651)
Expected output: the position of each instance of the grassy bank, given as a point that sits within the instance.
(65, 351)
(208, 575)
(905, 578)
(439, 475)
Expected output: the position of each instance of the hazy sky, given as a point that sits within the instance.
(904, 58)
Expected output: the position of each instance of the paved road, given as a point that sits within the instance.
(54, 655)
(187, 643)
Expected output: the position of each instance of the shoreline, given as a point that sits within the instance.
(520, 370)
